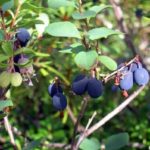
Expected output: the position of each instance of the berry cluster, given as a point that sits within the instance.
(19, 67)
(82, 83)
(22, 60)
(59, 100)
(134, 73)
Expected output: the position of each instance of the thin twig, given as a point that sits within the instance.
(115, 72)
(9, 130)
(16, 14)
(74, 119)
(119, 17)
(82, 110)
(90, 121)
(109, 116)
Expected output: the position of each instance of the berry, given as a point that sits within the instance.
(16, 79)
(59, 101)
(114, 88)
(135, 66)
(126, 81)
(141, 76)
(139, 13)
(79, 85)
(54, 88)
(23, 36)
(5, 79)
(94, 88)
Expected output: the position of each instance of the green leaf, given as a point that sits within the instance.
(2, 115)
(7, 48)
(63, 29)
(3, 1)
(1, 35)
(55, 4)
(74, 48)
(32, 145)
(117, 141)
(5, 103)
(108, 62)
(3, 57)
(41, 54)
(84, 15)
(7, 5)
(24, 50)
(102, 32)
(90, 144)
(98, 9)
(86, 60)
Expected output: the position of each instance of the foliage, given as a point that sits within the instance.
(68, 39)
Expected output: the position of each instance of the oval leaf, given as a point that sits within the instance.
(8, 5)
(86, 60)
(108, 62)
(84, 15)
(90, 144)
(99, 8)
(102, 32)
(117, 141)
(55, 4)
(63, 29)
(5, 103)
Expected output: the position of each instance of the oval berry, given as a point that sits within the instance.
(59, 101)
(141, 76)
(79, 85)
(53, 89)
(94, 88)
(126, 81)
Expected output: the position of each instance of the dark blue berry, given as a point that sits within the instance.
(94, 88)
(79, 85)
(126, 81)
(139, 13)
(23, 36)
(54, 88)
(59, 101)
(141, 76)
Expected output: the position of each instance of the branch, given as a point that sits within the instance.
(10, 133)
(74, 119)
(107, 78)
(122, 25)
(108, 117)
(82, 110)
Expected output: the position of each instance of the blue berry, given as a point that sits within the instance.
(94, 88)
(79, 85)
(23, 36)
(141, 76)
(126, 81)
(54, 88)
(59, 101)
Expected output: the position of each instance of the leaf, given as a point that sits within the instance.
(41, 54)
(86, 60)
(3, 57)
(5, 103)
(102, 32)
(7, 48)
(3, 1)
(84, 15)
(32, 145)
(1, 35)
(90, 144)
(117, 141)
(55, 4)
(98, 9)
(24, 50)
(74, 48)
(7, 5)
(63, 29)
(108, 62)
